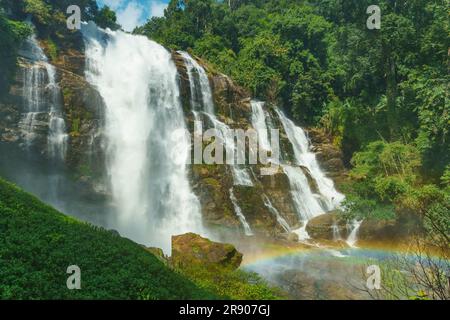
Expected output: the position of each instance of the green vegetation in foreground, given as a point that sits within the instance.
(235, 285)
(38, 243)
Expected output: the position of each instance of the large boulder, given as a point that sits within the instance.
(329, 226)
(192, 250)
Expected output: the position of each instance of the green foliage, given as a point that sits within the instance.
(227, 284)
(382, 158)
(333, 121)
(258, 64)
(383, 175)
(320, 61)
(11, 36)
(445, 179)
(40, 10)
(428, 93)
(358, 208)
(52, 49)
(37, 244)
(106, 18)
(437, 220)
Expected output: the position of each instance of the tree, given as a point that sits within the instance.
(106, 18)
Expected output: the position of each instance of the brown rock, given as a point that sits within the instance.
(191, 249)
(321, 227)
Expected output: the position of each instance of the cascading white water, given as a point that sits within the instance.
(336, 232)
(259, 124)
(202, 100)
(201, 94)
(283, 223)
(248, 231)
(57, 136)
(146, 155)
(304, 157)
(43, 101)
(353, 236)
(307, 204)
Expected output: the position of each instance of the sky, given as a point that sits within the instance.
(132, 13)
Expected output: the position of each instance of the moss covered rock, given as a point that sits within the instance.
(191, 249)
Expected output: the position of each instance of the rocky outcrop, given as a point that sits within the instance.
(192, 250)
(211, 184)
(405, 226)
(329, 155)
(158, 253)
(330, 226)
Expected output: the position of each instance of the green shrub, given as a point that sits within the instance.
(235, 285)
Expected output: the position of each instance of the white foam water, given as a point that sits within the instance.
(146, 156)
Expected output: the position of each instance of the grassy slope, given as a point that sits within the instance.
(38, 243)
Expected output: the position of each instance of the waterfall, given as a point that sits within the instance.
(336, 232)
(42, 101)
(259, 124)
(283, 223)
(202, 100)
(57, 137)
(240, 215)
(307, 204)
(353, 236)
(329, 196)
(201, 94)
(146, 154)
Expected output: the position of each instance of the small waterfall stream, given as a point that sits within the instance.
(43, 102)
(307, 203)
(353, 236)
(240, 215)
(283, 223)
(201, 100)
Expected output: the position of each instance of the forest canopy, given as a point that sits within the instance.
(320, 62)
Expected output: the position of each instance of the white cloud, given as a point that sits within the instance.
(131, 16)
(157, 8)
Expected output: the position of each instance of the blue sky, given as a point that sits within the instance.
(131, 13)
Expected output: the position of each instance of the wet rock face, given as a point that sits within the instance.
(332, 226)
(191, 249)
(329, 226)
(405, 226)
(278, 189)
(82, 111)
(329, 156)
(211, 184)
(183, 81)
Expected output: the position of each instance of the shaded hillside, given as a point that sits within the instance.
(37, 244)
